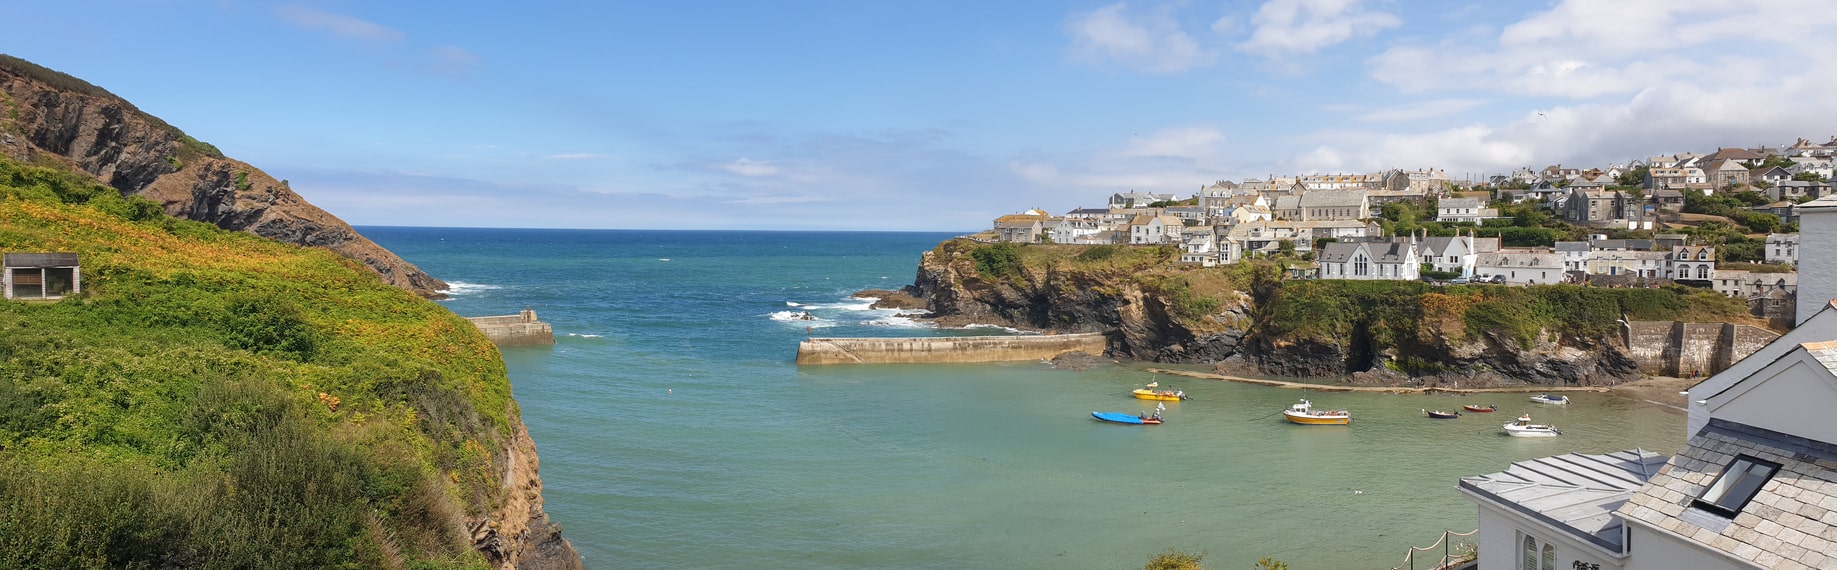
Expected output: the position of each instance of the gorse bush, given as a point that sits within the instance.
(997, 260)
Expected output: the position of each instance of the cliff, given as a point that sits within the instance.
(49, 118)
(1247, 319)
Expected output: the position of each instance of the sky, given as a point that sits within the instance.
(934, 115)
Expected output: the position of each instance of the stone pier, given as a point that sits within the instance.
(521, 329)
(946, 349)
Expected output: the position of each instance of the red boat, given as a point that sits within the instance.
(1473, 408)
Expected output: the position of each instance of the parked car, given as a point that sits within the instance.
(1498, 279)
(1462, 280)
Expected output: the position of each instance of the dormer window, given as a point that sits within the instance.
(1737, 485)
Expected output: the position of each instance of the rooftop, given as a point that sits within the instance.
(1575, 492)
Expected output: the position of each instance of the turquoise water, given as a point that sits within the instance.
(676, 432)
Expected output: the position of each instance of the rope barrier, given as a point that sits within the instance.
(1409, 560)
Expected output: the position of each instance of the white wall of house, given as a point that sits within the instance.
(1795, 395)
(1662, 550)
(1502, 535)
(1817, 273)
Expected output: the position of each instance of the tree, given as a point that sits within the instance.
(1808, 176)
(1776, 160)
(1634, 177)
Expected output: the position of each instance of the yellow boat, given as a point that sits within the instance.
(1163, 395)
(1305, 414)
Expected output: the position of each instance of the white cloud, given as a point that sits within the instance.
(1152, 43)
(1189, 142)
(1420, 110)
(337, 24)
(1294, 27)
(749, 167)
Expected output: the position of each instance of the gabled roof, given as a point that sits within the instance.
(1572, 246)
(1784, 522)
(1576, 493)
(1338, 252)
(1459, 203)
(1332, 198)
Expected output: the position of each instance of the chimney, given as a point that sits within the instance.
(1817, 273)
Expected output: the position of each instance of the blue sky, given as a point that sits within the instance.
(933, 115)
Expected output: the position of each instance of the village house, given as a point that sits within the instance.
(1769, 174)
(1521, 267)
(1076, 230)
(1594, 208)
(1154, 230)
(1134, 199)
(1320, 205)
(1783, 248)
(40, 275)
(1470, 210)
(1726, 173)
(1455, 254)
(1746, 284)
(1794, 190)
(1393, 259)
(1786, 211)
(1575, 255)
(1286, 207)
(1026, 227)
(1674, 178)
(1213, 199)
(1691, 262)
(1625, 262)
(1667, 199)
(1199, 247)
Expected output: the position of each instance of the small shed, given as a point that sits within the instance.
(41, 275)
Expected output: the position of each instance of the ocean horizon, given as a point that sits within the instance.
(676, 431)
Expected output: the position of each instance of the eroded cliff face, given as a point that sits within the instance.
(518, 535)
(83, 128)
(1137, 320)
(1140, 324)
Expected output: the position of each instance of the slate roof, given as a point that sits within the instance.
(1332, 198)
(40, 260)
(1792, 521)
(1574, 492)
(1571, 246)
(1449, 203)
(1337, 252)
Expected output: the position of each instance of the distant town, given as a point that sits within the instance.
(1725, 220)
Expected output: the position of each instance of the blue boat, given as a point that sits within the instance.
(1123, 418)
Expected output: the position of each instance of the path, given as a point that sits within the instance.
(1379, 389)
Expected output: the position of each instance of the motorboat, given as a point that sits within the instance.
(1441, 415)
(1524, 428)
(1126, 418)
(1477, 409)
(1549, 399)
(1162, 395)
(1305, 414)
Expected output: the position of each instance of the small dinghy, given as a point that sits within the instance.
(1129, 419)
(1486, 410)
(1441, 415)
(1549, 399)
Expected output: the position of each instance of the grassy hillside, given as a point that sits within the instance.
(218, 400)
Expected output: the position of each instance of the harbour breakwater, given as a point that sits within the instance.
(946, 349)
(521, 329)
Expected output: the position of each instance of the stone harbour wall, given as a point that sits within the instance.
(521, 329)
(1670, 348)
(946, 349)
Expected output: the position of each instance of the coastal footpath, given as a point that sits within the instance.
(1248, 319)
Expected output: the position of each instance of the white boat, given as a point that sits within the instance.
(1549, 399)
(1524, 428)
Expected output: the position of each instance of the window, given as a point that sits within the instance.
(1530, 554)
(1359, 267)
(1703, 272)
(1737, 484)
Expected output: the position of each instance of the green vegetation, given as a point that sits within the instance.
(1174, 559)
(998, 261)
(1267, 563)
(242, 180)
(189, 148)
(224, 401)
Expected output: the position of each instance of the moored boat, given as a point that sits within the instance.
(1128, 419)
(1441, 415)
(1549, 399)
(1162, 395)
(1524, 428)
(1474, 408)
(1305, 414)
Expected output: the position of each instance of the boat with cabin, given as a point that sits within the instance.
(1305, 414)
(1524, 428)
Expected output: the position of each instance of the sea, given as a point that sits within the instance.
(676, 431)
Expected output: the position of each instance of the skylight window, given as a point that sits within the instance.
(1736, 485)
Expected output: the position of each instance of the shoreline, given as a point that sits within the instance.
(1661, 391)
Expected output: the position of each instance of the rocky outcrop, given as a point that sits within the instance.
(1140, 323)
(518, 535)
(52, 118)
(1138, 320)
